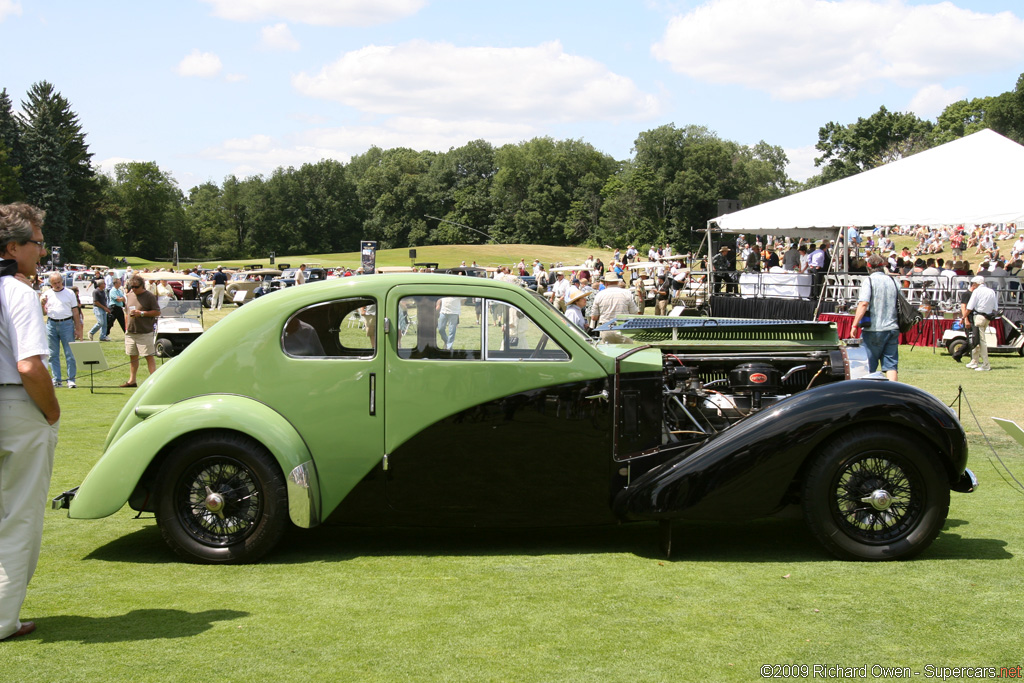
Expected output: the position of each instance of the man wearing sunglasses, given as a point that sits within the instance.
(140, 337)
(29, 413)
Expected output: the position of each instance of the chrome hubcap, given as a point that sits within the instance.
(880, 499)
(214, 502)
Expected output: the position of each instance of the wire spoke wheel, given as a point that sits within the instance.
(219, 501)
(877, 500)
(221, 498)
(875, 494)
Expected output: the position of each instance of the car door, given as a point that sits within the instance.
(494, 409)
(332, 389)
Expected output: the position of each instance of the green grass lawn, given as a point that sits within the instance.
(598, 604)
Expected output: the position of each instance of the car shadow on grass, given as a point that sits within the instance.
(139, 624)
(766, 540)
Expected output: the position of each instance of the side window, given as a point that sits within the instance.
(455, 328)
(512, 335)
(438, 327)
(337, 329)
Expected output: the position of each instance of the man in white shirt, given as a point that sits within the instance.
(449, 309)
(29, 413)
(609, 303)
(63, 315)
(559, 290)
(980, 307)
(931, 269)
(1018, 248)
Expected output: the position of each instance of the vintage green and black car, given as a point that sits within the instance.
(425, 399)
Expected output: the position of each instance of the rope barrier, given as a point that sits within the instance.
(962, 395)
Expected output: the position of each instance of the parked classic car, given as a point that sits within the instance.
(248, 281)
(314, 273)
(365, 400)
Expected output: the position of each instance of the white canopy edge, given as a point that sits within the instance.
(973, 180)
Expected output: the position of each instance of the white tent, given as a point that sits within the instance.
(976, 179)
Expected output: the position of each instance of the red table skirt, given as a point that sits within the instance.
(928, 333)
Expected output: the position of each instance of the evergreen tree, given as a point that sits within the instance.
(10, 153)
(57, 173)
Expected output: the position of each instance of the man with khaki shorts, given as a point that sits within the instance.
(140, 335)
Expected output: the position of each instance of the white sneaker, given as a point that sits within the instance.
(71, 384)
(973, 365)
(56, 384)
(983, 368)
(92, 336)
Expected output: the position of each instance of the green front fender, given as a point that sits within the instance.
(111, 481)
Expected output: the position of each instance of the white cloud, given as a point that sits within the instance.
(930, 100)
(442, 81)
(278, 37)
(801, 162)
(415, 133)
(318, 12)
(106, 166)
(199, 64)
(9, 8)
(809, 49)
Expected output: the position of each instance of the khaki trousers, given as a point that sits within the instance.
(979, 354)
(27, 444)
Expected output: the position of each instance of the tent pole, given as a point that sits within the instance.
(710, 278)
(829, 268)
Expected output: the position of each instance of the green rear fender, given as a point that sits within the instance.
(111, 481)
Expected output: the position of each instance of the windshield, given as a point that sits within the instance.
(181, 309)
(572, 327)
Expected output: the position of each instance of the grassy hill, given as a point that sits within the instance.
(446, 255)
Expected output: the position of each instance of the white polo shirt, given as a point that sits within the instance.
(22, 331)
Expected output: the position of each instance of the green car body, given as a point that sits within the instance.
(337, 401)
(295, 406)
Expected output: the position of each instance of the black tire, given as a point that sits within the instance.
(957, 347)
(164, 348)
(207, 300)
(254, 510)
(863, 462)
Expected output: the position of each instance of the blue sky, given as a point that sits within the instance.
(208, 88)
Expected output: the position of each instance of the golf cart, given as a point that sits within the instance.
(180, 323)
(958, 344)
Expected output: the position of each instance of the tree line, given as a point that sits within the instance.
(540, 191)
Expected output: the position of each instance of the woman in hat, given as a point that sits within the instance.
(576, 302)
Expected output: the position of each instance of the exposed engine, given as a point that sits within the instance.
(706, 393)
